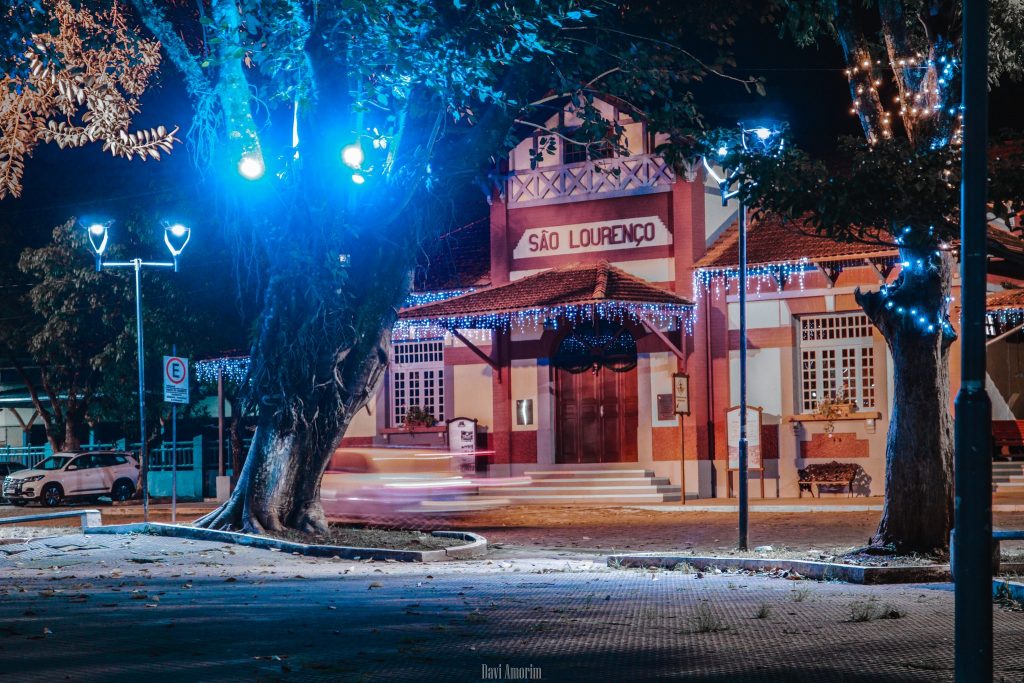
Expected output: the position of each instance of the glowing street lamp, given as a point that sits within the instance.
(176, 236)
(763, 138)
(251, 166)
(352, 156)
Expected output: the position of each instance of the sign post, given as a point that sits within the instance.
(175, 392)
(754, 462)
(681, 401)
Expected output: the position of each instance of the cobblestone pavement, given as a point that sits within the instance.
(110, 608)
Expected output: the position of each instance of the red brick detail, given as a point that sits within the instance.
(769, 442)
(838, 445)
(460, 355)
(764, 338)
(524, 447)
(356, 441)
(665, 443)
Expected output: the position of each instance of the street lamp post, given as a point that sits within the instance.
(764, 138)
(176, 236)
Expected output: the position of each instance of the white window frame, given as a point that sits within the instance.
(416, 378)
(836, 350)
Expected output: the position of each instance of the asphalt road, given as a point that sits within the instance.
(108, 608)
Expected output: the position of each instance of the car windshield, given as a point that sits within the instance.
(55, 462)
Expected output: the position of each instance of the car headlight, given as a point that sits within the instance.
(35, 478)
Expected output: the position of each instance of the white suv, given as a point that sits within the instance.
(75, 475)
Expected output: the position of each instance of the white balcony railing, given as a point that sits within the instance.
(641, 174)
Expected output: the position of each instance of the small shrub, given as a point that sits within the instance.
(800, 594)
(864, 610)
(706, 621)
(764, 610)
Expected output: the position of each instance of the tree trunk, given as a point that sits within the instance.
(309, 381)
(911, 314)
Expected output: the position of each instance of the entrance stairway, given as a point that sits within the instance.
(1008, 477)
(577, 484)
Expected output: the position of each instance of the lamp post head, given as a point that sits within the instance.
(176, 236)
(99, 236)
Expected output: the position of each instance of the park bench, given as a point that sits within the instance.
(826, 474)
(1007, 437)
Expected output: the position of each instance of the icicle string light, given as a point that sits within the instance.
(423, 298)
(235, 369)
(662, 314)
(716, 280)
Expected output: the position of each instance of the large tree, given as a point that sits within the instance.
(899, 186)
(433, 94)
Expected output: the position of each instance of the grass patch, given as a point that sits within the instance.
(800, 594)
(705, 620)
(862, 611)
(764, 610)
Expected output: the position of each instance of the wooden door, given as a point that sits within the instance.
(596, 416)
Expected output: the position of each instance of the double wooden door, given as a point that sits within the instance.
(596, 416)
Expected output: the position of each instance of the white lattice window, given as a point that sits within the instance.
(417, 379)
(836, 360)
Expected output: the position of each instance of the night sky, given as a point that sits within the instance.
(806, 88)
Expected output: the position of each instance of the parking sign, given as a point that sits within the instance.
(175, 379)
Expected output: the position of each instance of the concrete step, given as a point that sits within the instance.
(602, 481)
(513, 491)
(587, 473)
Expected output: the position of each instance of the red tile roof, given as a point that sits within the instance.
(1009, 300)
(553, 290)
(774, 240)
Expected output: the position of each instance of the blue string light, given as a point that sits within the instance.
(235, 369)
(423, 298)
(664, 314)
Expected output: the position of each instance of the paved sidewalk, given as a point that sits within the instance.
(90, 608)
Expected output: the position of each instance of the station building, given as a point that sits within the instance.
(594, 283)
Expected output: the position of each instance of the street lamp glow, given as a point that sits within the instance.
(762, 133)
(353, 155)
(98, 236)
(251, 167)
(176, 236)
(358, 178)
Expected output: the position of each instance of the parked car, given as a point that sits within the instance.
(5, 469)
(75, 476)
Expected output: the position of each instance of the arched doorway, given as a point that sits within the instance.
(596, 394)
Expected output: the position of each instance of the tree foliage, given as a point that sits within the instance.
(76, 79)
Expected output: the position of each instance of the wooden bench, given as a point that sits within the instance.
(826, 474)
(1007, 437)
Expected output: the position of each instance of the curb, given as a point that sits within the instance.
(1009, 589)
(477, 546)
(821, 571)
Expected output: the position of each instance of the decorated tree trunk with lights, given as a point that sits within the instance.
(912, 315)
(898, 186)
